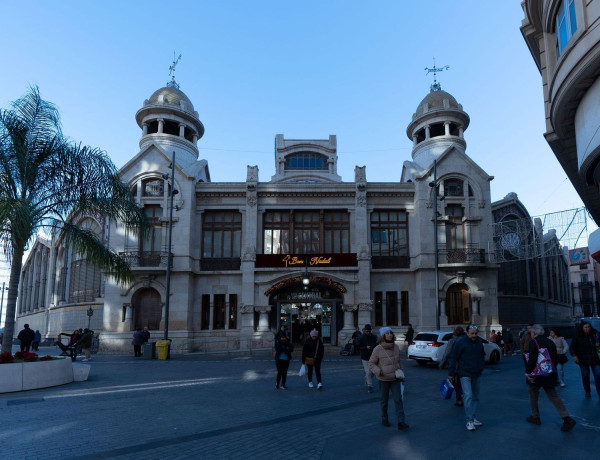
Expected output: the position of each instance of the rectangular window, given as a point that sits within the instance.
(566, 25)
(221, 234)
(584, 277)
(455, 230)
(391, 308)
(378, 308)
(306, 232)
(219, 312)
(404, 311)
(152, 243)
(205, 321)
(389, 233)
(232, 311)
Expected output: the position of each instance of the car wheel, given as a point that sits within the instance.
(421, 362)
(495, 357)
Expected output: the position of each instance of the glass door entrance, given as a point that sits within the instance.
(303, 317)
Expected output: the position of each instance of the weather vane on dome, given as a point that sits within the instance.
(172, 83)
(436, 86)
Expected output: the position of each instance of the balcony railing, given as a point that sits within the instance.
(145, 258)
(467, 255)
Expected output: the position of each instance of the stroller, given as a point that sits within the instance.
(348, 349)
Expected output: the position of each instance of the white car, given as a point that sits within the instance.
(429, 347)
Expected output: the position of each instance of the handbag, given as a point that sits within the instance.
(446, 388)
(302, 371)
(399, 373)
(562, 359)
(311, 361)
(544, 366)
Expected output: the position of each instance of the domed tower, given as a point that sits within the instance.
(168, 119)
(439, 123)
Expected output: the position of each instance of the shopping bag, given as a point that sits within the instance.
(544, 366)
(446, 388)
(302, 370)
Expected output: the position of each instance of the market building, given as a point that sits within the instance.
(299, 246)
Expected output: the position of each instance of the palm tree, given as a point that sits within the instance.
(46, 180)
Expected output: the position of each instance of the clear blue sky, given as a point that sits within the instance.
(307, 69)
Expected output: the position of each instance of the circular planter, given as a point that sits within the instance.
(22, 376)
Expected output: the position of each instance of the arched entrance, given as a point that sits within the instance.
(147, 309)
(303, 308)
(458, 304)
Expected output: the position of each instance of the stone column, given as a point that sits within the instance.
(161, 125)
(181, 129)
(475, 313)
(365, 310)
(443, 313)
(446, 128)
(128, 315)
(263, 320)
(144, 129)
(427, 132)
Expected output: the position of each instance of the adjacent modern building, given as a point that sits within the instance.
(564, 39)
(298, 245)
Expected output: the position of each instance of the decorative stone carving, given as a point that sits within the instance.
(361, 200)
(347, 307)
(252, 174)
(363, 253)
(482, 203)
(251, 200)
(360, 174)
(247, 309)
(249, 254)
(365, 306)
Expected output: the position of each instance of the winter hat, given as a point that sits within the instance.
(367, 327)
(314, 333)
(385, 329)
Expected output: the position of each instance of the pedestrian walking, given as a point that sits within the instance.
(547, 382)
(466, 365)
(493, 337)
(524, 340)
(584, 351)
(384, 363)
(137, 342)
(37, 338)
(366, 343)
(410, 333)
(355, 336)
(458, 333)
(146, 334)
(85, 341)
(509, 343)
(283, 357)
(312, 355)
(26, 337)
(561, 350)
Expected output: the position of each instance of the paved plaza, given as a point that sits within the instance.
(226, 406)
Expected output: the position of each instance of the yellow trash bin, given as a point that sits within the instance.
(162, 346)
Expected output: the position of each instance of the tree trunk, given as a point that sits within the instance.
(11, 301)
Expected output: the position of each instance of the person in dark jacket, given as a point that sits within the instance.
(283, 356)
(410, 333)
(466, 363)
(146, 334)
(548, 383)
(37, 338)
(313, 351)
(583, 349)
(137, 342)
(458, 333)
(85, 341)
(366, 342)
(26, 337)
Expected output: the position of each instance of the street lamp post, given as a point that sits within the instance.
(172, 193)
(90, 313)
(433, 185)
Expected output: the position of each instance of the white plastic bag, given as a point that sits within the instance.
(302, 370)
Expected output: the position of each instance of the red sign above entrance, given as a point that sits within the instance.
(301, 260)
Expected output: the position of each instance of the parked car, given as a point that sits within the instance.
(429, 347)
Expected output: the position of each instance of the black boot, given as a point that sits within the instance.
(385, 422)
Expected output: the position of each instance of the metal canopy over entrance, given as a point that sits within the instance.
(303, 308)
